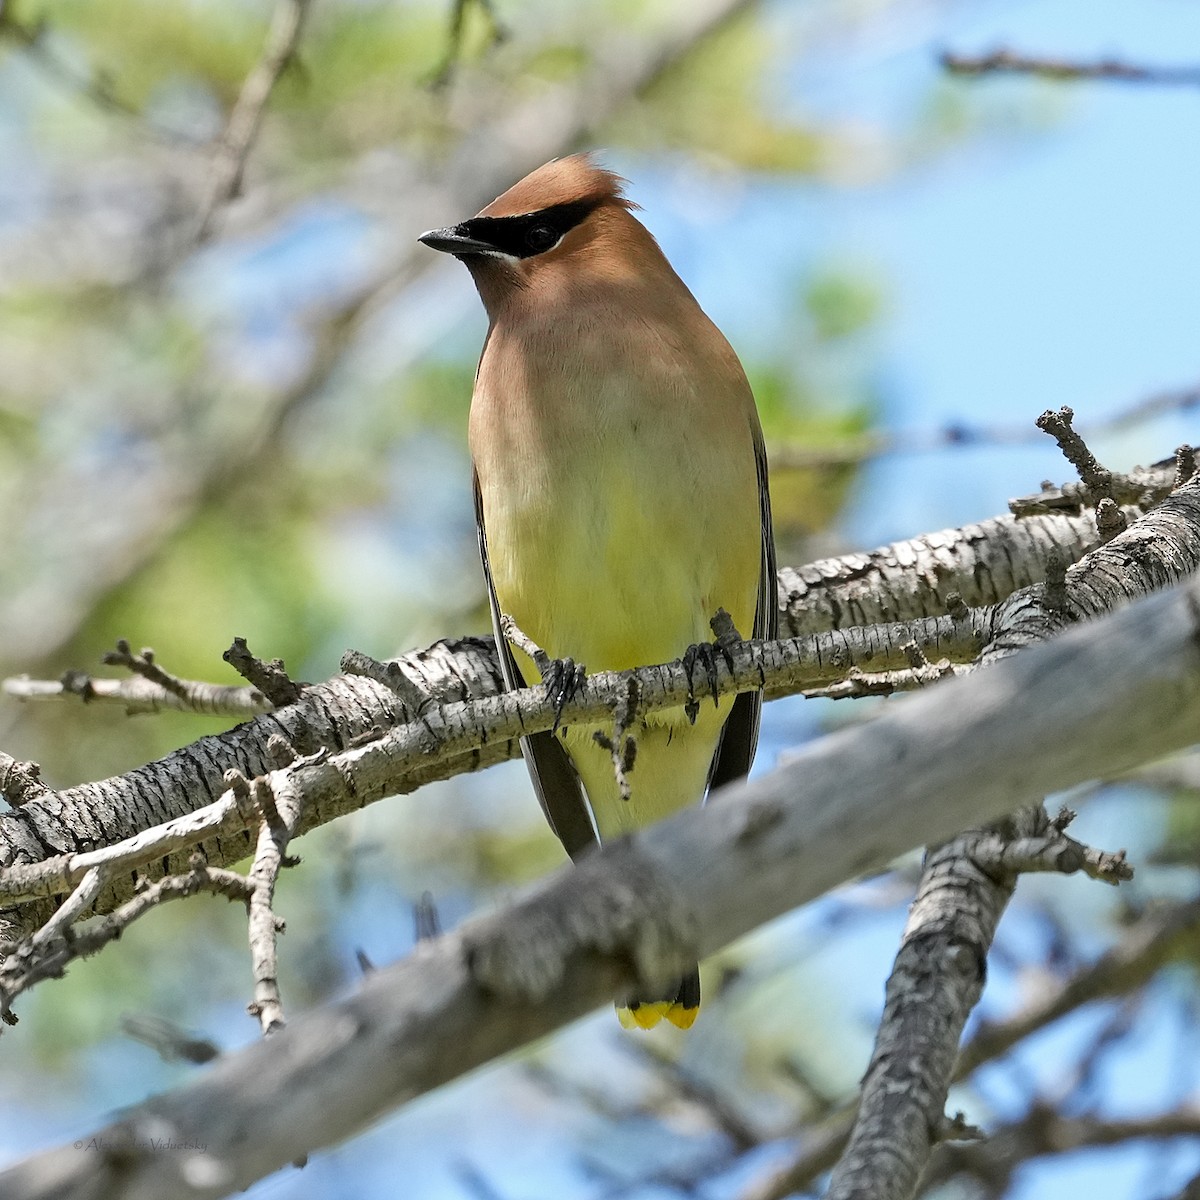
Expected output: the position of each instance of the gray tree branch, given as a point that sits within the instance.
(1156, 937)
(51, 830)
(940, 969)
(1095, 701)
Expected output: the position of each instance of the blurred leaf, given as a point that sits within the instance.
(86, 1006)
(1181, 839)
(437, 393)
(841, 303)
(717, 100)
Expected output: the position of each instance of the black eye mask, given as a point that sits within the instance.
(530, 233)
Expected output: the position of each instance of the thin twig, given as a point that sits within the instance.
(858, 684)
(76, 905)
(270, 678)
(46, 954)
(35, 41)
(138, 695)
(1185, 464)
(188, 695)
(229, 165)
(1009, 62)
(280, 808)
(1060, 426)
(1143, 487)
(957, 435)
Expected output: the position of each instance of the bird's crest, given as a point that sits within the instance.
(561, 181)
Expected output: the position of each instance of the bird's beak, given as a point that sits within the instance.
(455, 241)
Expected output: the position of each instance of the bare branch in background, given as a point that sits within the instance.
(233, 148)
(963, 435)
(1152, 940)
(1045, 1131)
(35, 40)
(167, 1039)
(1009, 62)
(458, 11)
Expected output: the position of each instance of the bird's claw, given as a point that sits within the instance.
(563, 678)
(704, 655)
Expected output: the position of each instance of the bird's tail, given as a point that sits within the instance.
(679, 1003)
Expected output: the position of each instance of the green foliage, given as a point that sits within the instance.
(818, 398)
(806, 499)
(1181, 839)
(841, 303)
(143, 44)
(956, 111)
(718, 101)
(86, 1006)
(437, 393)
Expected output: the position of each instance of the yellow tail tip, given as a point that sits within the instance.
(643, 1016)
(647, 1016)
(683, 1016)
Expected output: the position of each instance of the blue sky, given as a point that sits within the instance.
(1022, 271)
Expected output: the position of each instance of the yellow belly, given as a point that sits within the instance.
(618, 574)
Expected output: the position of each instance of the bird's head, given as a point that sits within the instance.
(568, 214)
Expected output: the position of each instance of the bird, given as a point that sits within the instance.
(621, 498)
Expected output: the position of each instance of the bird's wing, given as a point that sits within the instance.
(554, 779)
(739, 738)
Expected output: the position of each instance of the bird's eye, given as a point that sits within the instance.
(541, 237)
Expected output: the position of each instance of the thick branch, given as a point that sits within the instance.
(984, 563)
(43, 845)
(418, 746)
(348, 709)
(936, 982)
(939, 971)
(1156, 938)
(1095, 701)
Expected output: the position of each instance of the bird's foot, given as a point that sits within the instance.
(704, 655)
(563, 678)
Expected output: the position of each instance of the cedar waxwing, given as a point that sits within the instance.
(620, 492)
